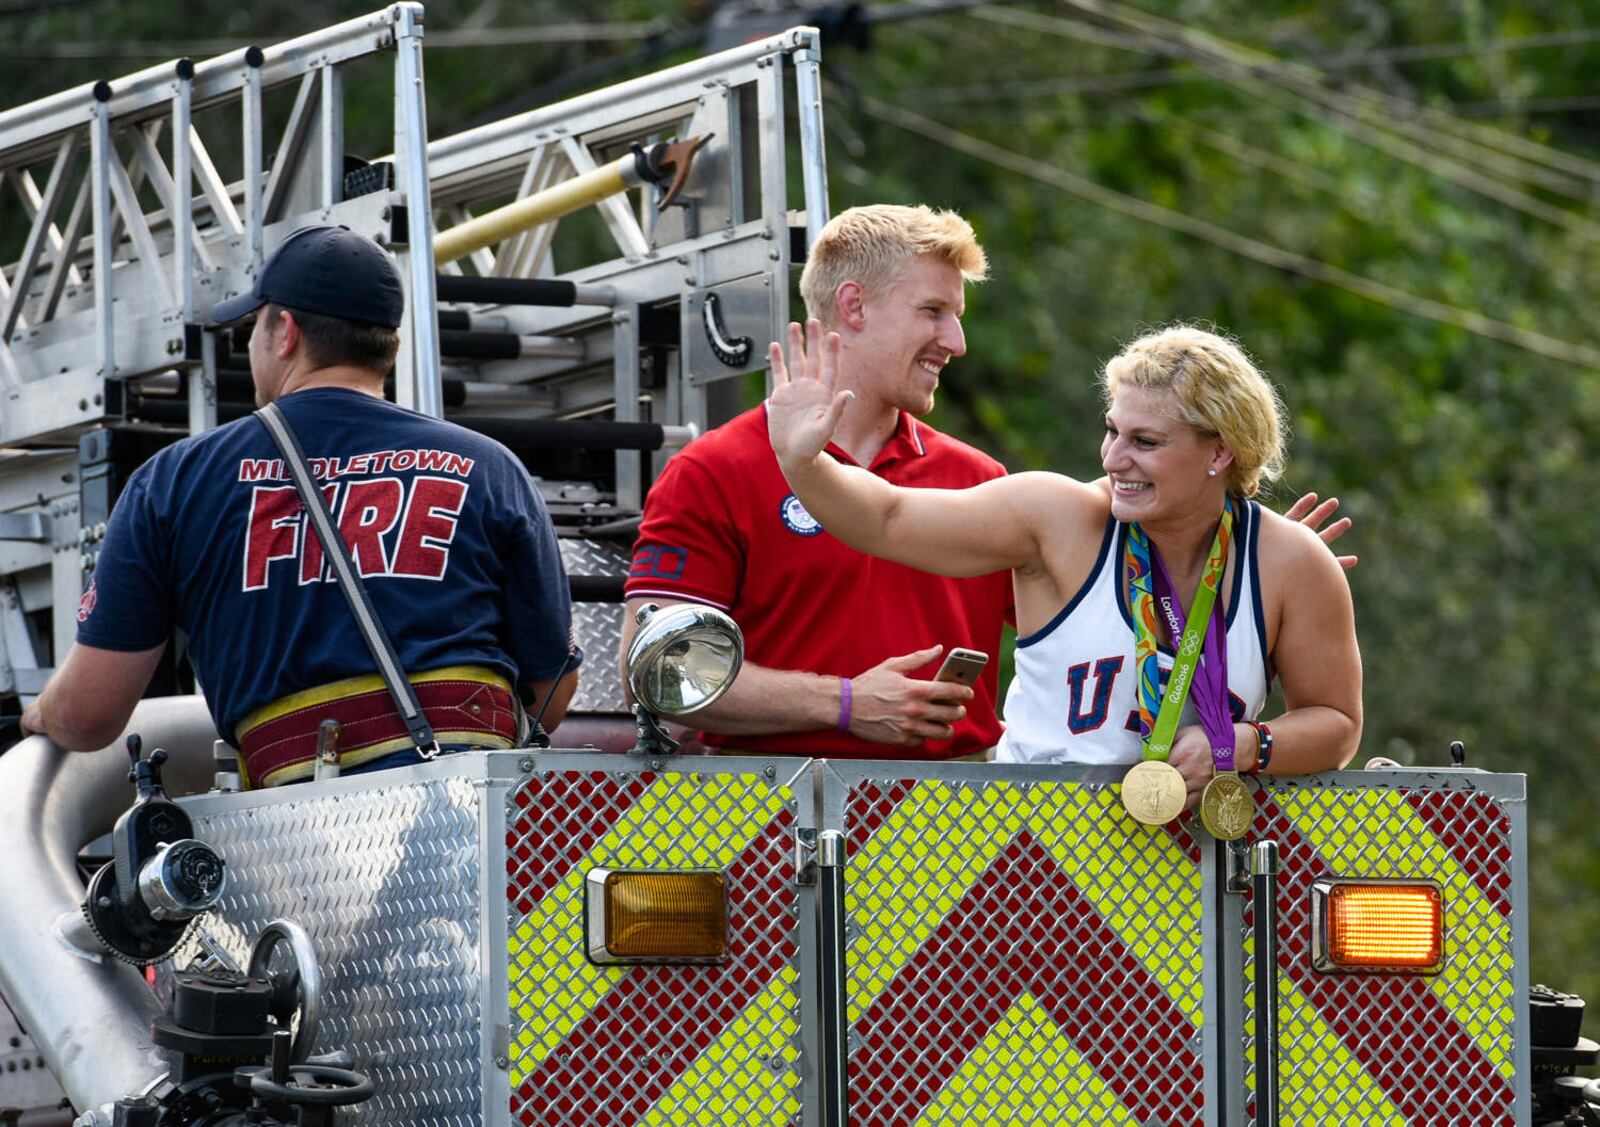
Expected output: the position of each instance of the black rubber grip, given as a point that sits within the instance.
(468, 345)
(581, 434)
(505, 291)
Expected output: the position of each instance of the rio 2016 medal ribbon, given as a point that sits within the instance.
(1153, 791)
(1226, 808)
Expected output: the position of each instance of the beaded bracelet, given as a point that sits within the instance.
(1263, 746)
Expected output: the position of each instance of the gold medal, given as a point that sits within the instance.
(1226, 807)
(1154, 792)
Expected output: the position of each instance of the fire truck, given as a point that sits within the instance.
(615, 932)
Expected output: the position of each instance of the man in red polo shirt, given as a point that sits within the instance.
(841, 647)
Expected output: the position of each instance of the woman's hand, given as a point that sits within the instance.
(804, 409)
(1191, 755)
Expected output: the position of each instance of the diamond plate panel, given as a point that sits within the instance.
(1383, 1048)
(385, 880)
(593, 557)
(598, 625)
(606, 1046)
(1019, 951)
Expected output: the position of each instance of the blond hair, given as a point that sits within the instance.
(872, 245)
(1219, 391)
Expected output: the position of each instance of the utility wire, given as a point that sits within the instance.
(1347, 60)
(1550, 168)
(1527, 105)
(1468, 140)
(1351, 117)
(1268, 255)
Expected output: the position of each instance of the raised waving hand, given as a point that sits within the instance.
(804, 409)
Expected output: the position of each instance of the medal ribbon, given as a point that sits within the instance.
(1158, 713)
(1210, 690)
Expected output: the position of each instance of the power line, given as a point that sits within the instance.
(1401, 138)
(1527, 105)
(1268, 255)
(1424, 124)
(1349, 60)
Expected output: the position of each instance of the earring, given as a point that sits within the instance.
(1211, 473)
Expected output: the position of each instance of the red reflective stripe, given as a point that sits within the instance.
(1024, 926)
(1478, 835)
(368, 719)
(1399, 1030)
(595, 1078)
(559, 821)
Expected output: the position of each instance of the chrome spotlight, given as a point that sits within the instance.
(682, 659)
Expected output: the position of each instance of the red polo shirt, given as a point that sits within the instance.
(721, 526)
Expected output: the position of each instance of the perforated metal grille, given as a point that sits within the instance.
(1381, 1048)
(386, 883)
(1019, 953)
(620, 1045)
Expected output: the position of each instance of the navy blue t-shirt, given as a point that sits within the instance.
(452, 541)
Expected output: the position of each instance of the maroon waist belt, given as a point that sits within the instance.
(464, 704)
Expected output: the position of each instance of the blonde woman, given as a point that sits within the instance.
(1107, 574)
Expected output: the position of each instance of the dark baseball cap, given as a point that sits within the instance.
(328, 270)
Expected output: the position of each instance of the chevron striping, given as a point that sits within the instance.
(560, 817)
(1341, 1090)
(1140, 881)
(915, 867)
(679, 821)
(999, 1080)
(1479, 933)
(763, 1033)
(1023, 928)
(1478, 835)
(628, 1050)
(1423, 1058)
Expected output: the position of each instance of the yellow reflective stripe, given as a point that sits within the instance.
(553, 983)
(732, 1083)
(1026, 1071)
(356, 686)
(1320, 1081)
(918, 865)
(1131, 874)
(1476, 983)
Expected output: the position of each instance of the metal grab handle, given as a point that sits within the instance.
(1264, 902)
(835, 1053)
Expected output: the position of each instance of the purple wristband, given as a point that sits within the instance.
(844, 704)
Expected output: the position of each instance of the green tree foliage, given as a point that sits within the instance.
(1466, 461)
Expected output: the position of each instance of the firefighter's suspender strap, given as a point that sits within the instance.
(355, 592)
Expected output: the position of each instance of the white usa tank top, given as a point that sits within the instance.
(1074, 697)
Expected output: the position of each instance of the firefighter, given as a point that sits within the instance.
(453, 544)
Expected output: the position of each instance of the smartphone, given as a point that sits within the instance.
(962, 666)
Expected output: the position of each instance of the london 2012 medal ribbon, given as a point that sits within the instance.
(1226, 808)
(1153, 791)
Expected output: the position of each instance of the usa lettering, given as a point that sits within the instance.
(392, 528)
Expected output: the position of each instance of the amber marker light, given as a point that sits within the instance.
(676, 916)
(1381, 925)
